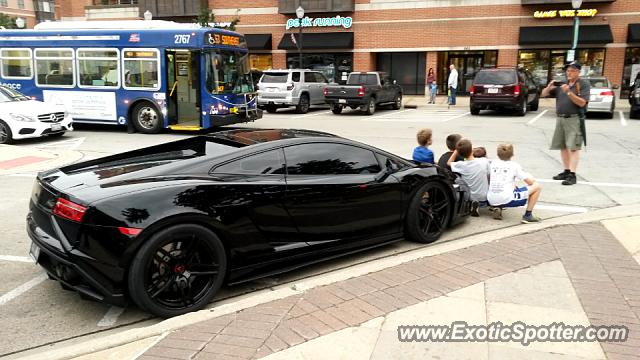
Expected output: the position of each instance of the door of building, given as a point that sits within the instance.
(467, 66)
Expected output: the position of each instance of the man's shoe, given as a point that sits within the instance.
(562, 176)
(474, 208)
(530, 219)
(570, 180)
(497, 213)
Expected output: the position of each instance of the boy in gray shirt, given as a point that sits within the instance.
(473, 171)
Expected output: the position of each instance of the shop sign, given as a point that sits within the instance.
(550, 14)
(337, 21)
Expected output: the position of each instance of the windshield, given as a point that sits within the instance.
(228, 72)
(496, 77)
(8, 95)
(275, 78)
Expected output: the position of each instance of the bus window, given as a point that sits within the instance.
(98, 68)
(141, 69)
(54, 67)
(16, 63)
(228, 72)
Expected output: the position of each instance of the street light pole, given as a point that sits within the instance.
(576, 28)
(300, 15)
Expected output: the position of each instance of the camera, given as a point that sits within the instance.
(558, 83)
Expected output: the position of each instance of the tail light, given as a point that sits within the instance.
(326, 91)
(290, 86)
(516, 90)
(129, 231)
(606, 93)
(471, 90)
(69, 210)
(361, 91)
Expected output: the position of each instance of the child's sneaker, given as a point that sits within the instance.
(497, 213)
(474, 208)
(530, 219)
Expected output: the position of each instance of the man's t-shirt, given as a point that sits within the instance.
(564, 105)
(502, 182)
(422, 154)
(475, 174)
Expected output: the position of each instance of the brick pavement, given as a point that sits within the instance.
(603, 273)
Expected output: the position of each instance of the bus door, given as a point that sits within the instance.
(183, 80)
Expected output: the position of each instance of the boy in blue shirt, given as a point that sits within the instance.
(422, 153)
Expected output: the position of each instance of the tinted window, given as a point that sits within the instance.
(295, 77)
(320, 78)
(362, 79)
(495, 77)
(309, 77)
(599, 83)
(274, 78)
(330, 159)
(270, 162)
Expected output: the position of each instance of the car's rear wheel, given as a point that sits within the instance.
(303, 104)
(609, 115)
(336, 109)
(429, 213)
(522, 110)
(474, 110)
(271, 109)
(370, 107)
(6, 137)
(397, 102)
(535, 104)
(177, 270)
(146, 118)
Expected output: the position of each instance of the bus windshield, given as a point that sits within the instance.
(228, 72)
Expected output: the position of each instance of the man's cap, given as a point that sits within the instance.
(574, 64)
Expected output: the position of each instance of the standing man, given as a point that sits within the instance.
(452, 84)
(571, 100)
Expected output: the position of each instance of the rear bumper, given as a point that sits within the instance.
(279, 101)
(600, 106)
(347, 102)
(72, 268)
(495, 101)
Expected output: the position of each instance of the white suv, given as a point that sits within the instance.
(21, 117)
(293, 87)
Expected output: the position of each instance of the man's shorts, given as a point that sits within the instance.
(567, 134)
(520, 197)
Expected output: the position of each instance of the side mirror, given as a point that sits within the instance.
(616, 86)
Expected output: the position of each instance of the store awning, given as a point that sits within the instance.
(633, 36)
(315, 41)
(258, 41)
(563, 35)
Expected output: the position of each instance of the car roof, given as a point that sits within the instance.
(287, 70)
(257, 136)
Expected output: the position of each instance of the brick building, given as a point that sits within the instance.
(407, 37)
(32, 12)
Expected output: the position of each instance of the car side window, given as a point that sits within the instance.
(295, 76)
(330, 159)
(320, 78)
(309, 77)
(265, 163)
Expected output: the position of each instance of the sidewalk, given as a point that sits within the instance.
(577, 274)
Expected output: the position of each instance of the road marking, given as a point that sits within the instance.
(25, 259)
(24, 175)
(623, 121)
(308, 115)
(632, 186)
(537, 117)
(21, 161)
(110, 318)
(456, 117)
(70, 144)
(370, 118)
(22, 289)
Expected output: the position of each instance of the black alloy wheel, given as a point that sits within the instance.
(6, 137)
(177, 270)
(429, 213)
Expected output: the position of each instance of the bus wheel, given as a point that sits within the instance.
(146, 118)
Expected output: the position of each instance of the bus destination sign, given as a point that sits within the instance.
(221, 39)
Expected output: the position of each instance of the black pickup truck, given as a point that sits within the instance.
(364, 90)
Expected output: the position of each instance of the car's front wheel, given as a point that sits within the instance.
(428, 214)
(303, 104)
(177, 270)
(6, 137)
(522, 110)
(336, 109)
(535, 104)
(397, 102)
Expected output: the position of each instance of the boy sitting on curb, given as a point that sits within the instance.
(473, 171)
(503, 191)
(422, 153)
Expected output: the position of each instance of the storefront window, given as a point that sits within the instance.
(261, 61)
(631, 69)
(546, 65)
(335, 67)
(592, 61)
(537, 62)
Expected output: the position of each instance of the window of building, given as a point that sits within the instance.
(45, 6)
(546, 65)
(98, 68)
(4, 3)
(54, 67)
(16, 63)
(115, 2)
(141, 69)
(631, 70)
(261, 61)
(20, 4)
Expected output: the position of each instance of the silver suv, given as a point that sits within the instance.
(293, 87)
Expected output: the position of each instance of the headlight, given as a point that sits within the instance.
(20, 117)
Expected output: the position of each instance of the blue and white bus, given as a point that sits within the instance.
(147, 74)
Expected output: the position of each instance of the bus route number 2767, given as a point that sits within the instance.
(181, 39)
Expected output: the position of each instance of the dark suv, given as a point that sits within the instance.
(504, 88)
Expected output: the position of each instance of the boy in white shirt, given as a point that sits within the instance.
(503, 191)
(473, 171)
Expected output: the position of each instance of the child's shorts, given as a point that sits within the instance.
(520, 197)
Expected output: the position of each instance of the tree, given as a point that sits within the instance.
(7, 21)
(208, 19)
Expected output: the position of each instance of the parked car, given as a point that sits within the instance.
(504, 87)
(293, 87)
(602, 98)
(22, 117)
(364, 91)
(634, 99)
(166, 225)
